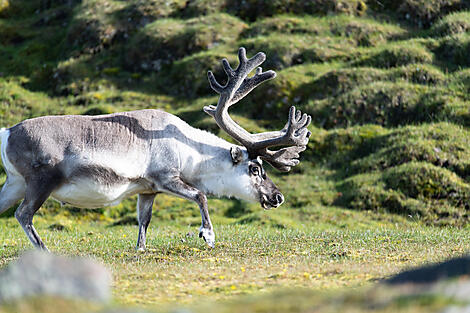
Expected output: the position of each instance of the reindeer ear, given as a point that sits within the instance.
(237, 155)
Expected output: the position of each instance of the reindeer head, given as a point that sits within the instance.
(291, 140)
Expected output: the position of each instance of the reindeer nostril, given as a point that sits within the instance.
(279, 198)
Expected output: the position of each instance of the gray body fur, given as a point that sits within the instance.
(96, 161)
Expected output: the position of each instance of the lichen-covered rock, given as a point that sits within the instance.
(39, 273)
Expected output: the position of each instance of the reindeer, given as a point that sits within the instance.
(97, 161)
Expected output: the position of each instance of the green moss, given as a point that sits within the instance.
(286, 50)
(92, 28)
(366, 192)
(287, 24)
(271, 99)
(453, 50)
(281, 50)
(338, 81)
(254, 9)
(340, 146)
(166, 40)
(461, 81)
(420, 74)
(188, 76)
(452, 24)
(98, 110)
(195, 8)
(17, 103)
(138, 13)
(421, 180)
(366, 32)
(440, 144)
(382, 103)
(425, 12)
(397, 54)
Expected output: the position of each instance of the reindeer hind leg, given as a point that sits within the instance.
(12, 191)
(37, 191)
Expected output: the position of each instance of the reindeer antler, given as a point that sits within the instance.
(294, 135)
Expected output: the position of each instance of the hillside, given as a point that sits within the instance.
(386, 82)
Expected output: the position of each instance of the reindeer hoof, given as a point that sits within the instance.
(208, 236)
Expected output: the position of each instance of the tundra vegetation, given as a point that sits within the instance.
(383, 186)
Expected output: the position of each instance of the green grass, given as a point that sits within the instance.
(248, 259)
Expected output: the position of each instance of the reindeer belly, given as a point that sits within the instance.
(86, 193)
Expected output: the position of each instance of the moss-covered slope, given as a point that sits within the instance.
(386, 83)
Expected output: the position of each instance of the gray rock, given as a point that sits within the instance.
(40, 273)
(450, 278)
(433, 273)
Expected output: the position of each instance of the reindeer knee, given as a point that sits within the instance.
(201, 198)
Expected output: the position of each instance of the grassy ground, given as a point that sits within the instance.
(249, 260)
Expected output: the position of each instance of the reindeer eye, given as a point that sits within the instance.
(254, 170)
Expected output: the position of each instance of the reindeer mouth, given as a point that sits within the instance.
(266, 204)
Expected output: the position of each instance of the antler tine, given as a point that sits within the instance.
(227, 68)
(294, 136)
(214, 83)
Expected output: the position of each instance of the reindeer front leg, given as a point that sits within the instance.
(178, 187)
